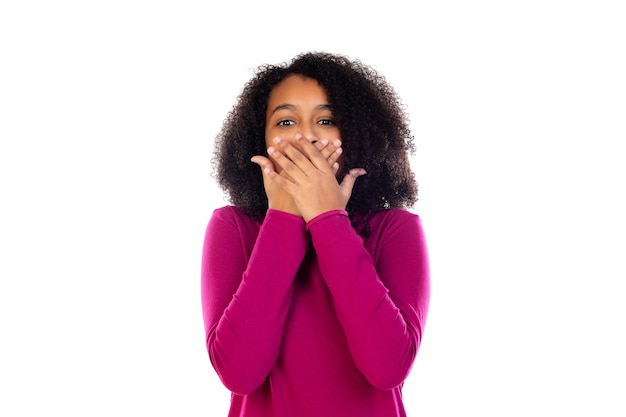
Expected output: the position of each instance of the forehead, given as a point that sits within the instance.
(297, 89)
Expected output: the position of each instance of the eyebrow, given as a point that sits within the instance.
(287, 106)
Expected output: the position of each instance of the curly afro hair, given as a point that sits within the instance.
(373, 125)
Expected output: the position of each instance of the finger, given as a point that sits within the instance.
(282, 180)
(310, 153)
(333, 157)
(331, 151)
(267, 167)
(292, 163)
(263, 162)
(330, 147)
(293, 158)
(271, 178)
(321, 145)
(325, 147)
(347, 184)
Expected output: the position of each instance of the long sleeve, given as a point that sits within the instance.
(246, 294)
(381, 296)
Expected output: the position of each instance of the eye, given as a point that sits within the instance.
(327, 122)
(286, 122)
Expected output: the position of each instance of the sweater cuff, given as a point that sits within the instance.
(322, 216)
(284, 216)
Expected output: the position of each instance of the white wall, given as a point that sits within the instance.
(107, 115)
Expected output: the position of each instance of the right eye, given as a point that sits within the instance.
(286, 122)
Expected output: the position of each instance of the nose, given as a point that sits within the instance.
(309, 131)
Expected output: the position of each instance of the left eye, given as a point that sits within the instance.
(286, 123)
(326, 122)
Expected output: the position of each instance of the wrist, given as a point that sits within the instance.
(285, 205)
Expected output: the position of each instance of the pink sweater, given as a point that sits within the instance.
(312, 319)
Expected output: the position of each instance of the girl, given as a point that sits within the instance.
(315, 281)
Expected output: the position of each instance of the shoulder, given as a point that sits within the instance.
(393, 224)
(394, 216)
(227, 212)
(231, 213)
(396, 235)
(232, 216)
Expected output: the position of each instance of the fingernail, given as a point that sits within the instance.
(270, 150)
(298, 136)
(339, 151)
(337, 142)
(324, 142)
(276, 140)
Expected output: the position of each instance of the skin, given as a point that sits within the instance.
(304, 147)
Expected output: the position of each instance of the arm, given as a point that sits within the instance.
(381, 303)
(245, 301)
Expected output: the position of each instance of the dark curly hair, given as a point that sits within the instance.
(372, 122)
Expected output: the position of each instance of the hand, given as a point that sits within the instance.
(278, 198)
(308, 178)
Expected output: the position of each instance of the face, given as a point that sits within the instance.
(299, 105)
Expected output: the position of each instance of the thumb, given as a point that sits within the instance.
(262, 162)
(347, 184)
(266, 169)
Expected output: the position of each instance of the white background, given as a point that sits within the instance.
(108, 111)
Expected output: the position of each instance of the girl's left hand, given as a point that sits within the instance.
(308, 178)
